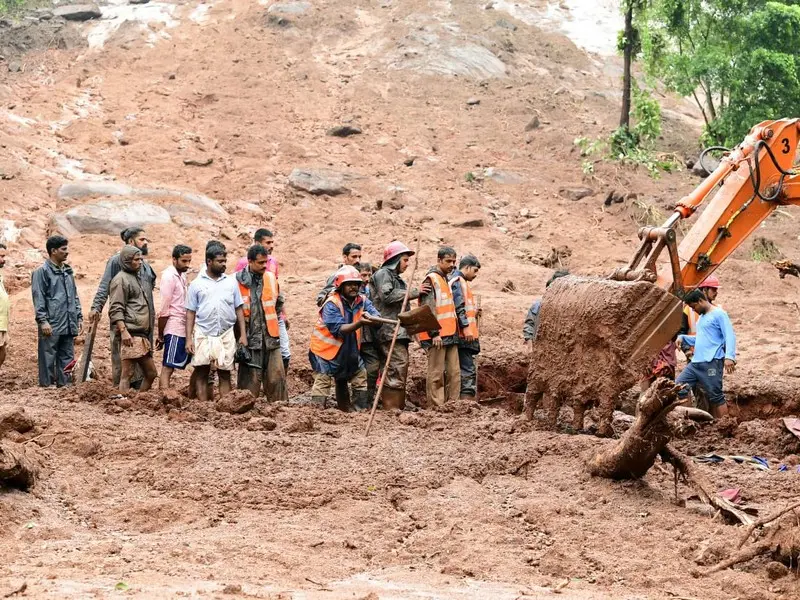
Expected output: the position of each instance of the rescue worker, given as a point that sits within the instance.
(262, 365)
(388, 292)
(335, 341)
(57, 308)
(444, 373)
(132, 315)
(5, 306)
(133, 236)
(714, 352)
(351, 255)
(370, 353)
(710, 288)
(467, 313)
(532, 318)
(265, 238)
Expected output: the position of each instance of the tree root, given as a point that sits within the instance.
(635, 452)
(781, 544)
(703, 486)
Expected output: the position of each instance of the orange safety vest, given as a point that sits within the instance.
(269, 296)
(471, 309)
(445, 307)
(323, 343)
(693, 318)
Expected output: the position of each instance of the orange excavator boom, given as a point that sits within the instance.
(753, 180)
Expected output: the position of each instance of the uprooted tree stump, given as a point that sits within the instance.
(635, 452)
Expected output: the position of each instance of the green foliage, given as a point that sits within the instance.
(9, 6)
(739, 59)
(635, 144)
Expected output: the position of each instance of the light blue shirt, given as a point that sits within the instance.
(214, 303)
(715, 337)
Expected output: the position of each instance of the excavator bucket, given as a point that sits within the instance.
(595, 339)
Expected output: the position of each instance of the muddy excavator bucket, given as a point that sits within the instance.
(595, 339)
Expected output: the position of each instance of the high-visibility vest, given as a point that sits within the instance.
(269, 296)
(471, 309)
(445, 307)
(323, 343)
(694, 317)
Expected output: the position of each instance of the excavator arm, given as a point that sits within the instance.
(753, 180)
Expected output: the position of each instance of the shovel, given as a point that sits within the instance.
(415, 320)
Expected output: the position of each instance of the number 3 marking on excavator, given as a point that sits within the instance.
(786, 148)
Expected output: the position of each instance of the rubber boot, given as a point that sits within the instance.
(286, 363)
(320, 400)
(393, 399)
(342, 395)
(362, 400)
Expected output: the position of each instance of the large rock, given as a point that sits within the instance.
(78, 12)
(88, 189)
(111, 217)
(575, 193)
(318, 181)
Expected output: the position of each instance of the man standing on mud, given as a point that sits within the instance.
(714, 352)
(5, 309)
(133, 236)
(132, 315)
(351, 256)
(264, 238)
(263, 302)
(388, 292)
(213, 307)
(58, 312)
(444, 373)
(467, 313)
(172, 316)
(336, 340)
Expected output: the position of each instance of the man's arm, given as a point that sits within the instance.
(39, 293)
(116, 309)
(78, 306)
(729, 335)
(460, 302)
(238, 304)
(101, 295)
(429, 299)
(531, 321)
(190, 314)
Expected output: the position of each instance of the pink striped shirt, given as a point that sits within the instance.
(173, 301)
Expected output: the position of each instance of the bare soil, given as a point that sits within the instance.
(155, 496)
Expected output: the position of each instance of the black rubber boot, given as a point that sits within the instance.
(362, 400)
(343, 395)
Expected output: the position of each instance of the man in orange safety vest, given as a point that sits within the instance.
(444, 372)
(467, 313)
(336, 340)
(262, 364)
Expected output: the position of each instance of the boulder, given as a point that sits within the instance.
(85, 189)
(575, 193)
(78, 12)
(236, 402)
(318, 181)
(14, 418)
(506, 177)
(470, 223)
(709, 165)
(111, 217)
(344, 130)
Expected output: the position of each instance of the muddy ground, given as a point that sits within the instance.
(143, 498)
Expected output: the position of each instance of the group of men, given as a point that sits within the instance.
(220, 321)
(706, 338)
(349, 346)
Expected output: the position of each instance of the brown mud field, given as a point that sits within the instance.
(468, 116)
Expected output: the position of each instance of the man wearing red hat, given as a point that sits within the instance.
(388, 292)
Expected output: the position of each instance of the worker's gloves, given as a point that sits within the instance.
(242, 355)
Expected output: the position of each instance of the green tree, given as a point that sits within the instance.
(738, 59)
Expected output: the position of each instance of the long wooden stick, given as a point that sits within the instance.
(88, 347)
(394, 340)
(478, 323)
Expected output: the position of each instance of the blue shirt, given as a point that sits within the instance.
(214, 303)
(714, 339)
(348, 360)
